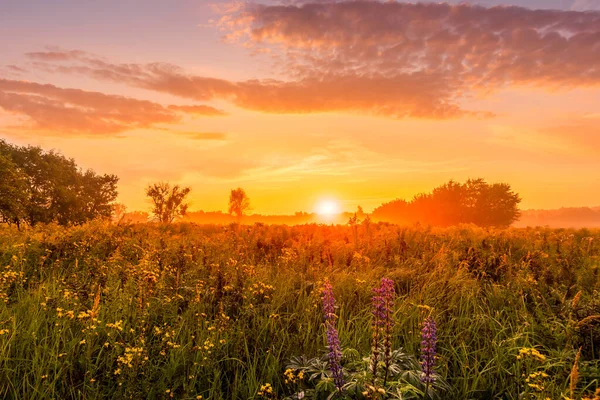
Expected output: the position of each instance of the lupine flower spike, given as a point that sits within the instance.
(389, 294)
(428, 351)
(383, 309)
(333, 341)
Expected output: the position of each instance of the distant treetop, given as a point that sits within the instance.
(40, 186)
(474, 201)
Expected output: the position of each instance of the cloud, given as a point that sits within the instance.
(55, 110)
(12, 71)
(391, 59)
(53, 54)
(73, 111)
(476, 45)
(581, 5)
(418, 94)
(198, 110)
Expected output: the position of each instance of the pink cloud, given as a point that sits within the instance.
(392, 59)
(419, 94)
(55, 110)
(197, 110)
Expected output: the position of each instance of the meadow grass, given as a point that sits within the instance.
(183, 311)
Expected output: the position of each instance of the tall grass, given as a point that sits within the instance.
(182, 311)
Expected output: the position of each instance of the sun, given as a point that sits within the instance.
(327, 208)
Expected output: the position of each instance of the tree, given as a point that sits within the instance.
(95, 196)
(55, 189)
(474, 201)
(13, 192)
(239, 203)
(168, 202)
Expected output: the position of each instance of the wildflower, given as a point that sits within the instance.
(428, 350)
(291, 377)
(83, 315)
(266, 391)
(535, 381)
(383, 304)
(117, 325)
(335, 351)
(531, 352)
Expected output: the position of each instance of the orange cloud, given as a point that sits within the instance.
(57, 110)
(198, 110)
(381, 58)
(419, 94)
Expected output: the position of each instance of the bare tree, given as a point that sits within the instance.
(168, 202)
(239, 203)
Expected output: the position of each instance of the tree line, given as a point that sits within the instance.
(169, 202)
(474, 201)
(38, 186)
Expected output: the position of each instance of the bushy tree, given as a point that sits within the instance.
(13, 192)
(239, 203)
(168, 202)
(474, 201)
(53, 189)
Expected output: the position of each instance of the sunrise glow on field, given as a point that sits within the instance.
(300, 199)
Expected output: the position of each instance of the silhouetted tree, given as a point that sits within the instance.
(474, 201)
(55, 189)
(360, 212)
(167, 202)
(239, 203)
(13, 192)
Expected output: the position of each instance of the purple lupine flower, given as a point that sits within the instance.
(389, 295)
(383, 309)
(333, 340)
(428, 350)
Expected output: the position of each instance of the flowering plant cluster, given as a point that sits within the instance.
(386, 373)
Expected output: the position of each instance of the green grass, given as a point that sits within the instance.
(189, 297)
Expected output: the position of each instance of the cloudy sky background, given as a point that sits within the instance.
(298, 100)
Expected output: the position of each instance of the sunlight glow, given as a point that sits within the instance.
(328, 208)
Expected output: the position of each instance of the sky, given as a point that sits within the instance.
(298, 102)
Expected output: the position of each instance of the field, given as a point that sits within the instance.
(185, 311)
